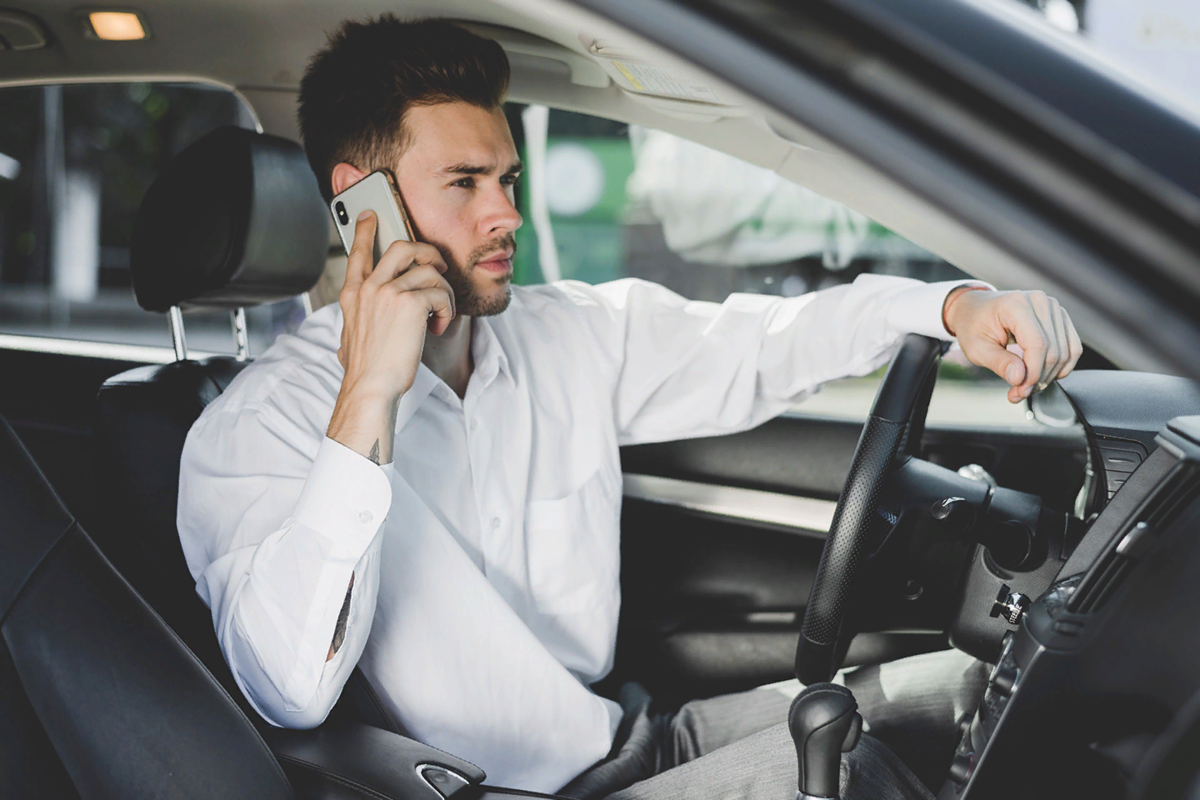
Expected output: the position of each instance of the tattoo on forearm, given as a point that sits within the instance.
(339, 632)
(374, 452)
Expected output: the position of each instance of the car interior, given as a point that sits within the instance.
(1061, 552)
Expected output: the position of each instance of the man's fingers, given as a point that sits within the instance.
(1064, 343)
(1045, 342)
(420, 278)
(999, 360)
(400, 257)
(1021, 321)
(1056, 352)
(361, 260)
(441, 308)
(1045, 313)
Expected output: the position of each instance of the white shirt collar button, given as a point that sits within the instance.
(365, 517)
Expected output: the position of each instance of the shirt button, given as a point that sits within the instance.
(495, 522)
(474, 424)
(365, 516)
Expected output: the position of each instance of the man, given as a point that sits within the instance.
(424, 480)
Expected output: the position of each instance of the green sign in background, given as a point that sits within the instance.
(589, 245)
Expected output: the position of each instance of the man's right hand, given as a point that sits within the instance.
(386, 309)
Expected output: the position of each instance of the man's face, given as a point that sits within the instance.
(456, 178)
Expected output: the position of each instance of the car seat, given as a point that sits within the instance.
(97, 697)
(234, 220)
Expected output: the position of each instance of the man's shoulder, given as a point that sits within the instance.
(296, 377)
(574, 293)
(572, 298)
(540, 296)
(549, 314)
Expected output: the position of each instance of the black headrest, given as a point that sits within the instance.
(235, 219)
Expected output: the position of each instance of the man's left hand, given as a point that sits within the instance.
(985, 322)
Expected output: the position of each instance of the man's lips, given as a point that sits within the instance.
(499, 262)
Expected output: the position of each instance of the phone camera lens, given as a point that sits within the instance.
(342, 216)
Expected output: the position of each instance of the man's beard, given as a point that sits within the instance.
(468, 299)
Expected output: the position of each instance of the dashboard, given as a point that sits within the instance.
(1096, 689)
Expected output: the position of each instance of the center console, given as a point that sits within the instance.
(1096, 665)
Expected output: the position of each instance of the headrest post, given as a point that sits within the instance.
(240, 337)
(306, 301)
(175, 317)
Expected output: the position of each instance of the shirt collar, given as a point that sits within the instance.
(490, 362)
(487, 353)
(410, 401)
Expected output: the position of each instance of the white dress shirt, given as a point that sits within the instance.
(485, 557)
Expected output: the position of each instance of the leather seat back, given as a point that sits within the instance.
(143, 418)
(236, 219)
(98, 698)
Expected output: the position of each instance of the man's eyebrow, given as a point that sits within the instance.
(465, 168)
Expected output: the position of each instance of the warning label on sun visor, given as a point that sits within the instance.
(664, 82)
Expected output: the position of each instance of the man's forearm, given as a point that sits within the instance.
(366, 424)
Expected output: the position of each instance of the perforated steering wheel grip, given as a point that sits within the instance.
(882, 440)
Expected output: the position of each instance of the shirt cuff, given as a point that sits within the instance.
(919, 309)
(345, 499)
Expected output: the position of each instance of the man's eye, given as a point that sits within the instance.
(465, 183)
(509, 180)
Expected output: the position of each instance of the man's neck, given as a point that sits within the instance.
(449, 356)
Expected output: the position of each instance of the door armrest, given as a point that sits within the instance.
(350, 760)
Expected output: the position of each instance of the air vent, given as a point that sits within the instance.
(1093, 594)
(1120, 457)
(1168, 503)
(1160, 510)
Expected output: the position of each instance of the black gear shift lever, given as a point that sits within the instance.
(825, 723)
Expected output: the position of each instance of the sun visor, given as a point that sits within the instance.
(670, 88)
(584, 71)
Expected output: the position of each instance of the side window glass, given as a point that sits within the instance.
(75, 161)
(621, 201)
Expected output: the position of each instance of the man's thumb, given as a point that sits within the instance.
(1010, 367)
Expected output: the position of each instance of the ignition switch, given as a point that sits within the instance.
(1010, 605)
(956, 514)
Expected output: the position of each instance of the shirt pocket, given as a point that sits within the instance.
(572, 547)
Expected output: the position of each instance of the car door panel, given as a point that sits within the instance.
(714, 586)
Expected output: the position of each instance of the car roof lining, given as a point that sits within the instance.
(549, 38)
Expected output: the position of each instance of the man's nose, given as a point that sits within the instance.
(500, 215)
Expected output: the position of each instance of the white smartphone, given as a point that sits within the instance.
(376, 192)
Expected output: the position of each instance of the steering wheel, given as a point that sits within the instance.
(882, 443)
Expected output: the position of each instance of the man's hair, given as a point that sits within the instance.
(356, 92)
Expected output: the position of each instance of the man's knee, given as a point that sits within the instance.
(685, 733)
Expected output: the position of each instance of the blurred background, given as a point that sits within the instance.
(601, 201)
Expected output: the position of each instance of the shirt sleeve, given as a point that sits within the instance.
(687, 368)
(273, 525)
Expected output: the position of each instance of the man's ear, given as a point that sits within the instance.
(344, 176)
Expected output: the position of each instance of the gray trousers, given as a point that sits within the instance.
(738, 745)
